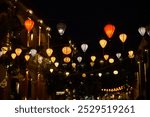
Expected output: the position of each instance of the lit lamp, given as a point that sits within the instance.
(109, 30)
(131, 54)
(53, 59)
(18, 51)
(61, 27)
(73, 65)
(13, 55)
(84, 47)
(79, 59)
(28, 25)
(93, 58)
(66, 50)
(67, 59)
(4, 50)
(142, 31)
(106, 56)
(103, 43)
(27, 57)
(123, 37)
(49, 51)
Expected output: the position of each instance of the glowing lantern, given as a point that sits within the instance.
(18, 51)
(56, 64)
(67, 59)
(92, 64)
(66, 50)
(40, 59)
(73, 65)
(109, 30)
(84, 47)
(27, 57)
(103, 43)
(84, 75)
(49, 51)
(111, 60)
(142, 31)
(51, 70)
(61, 27)
(33, 52)
(131, 54)
(118, 55)
(123, 37)
(29, 24)
(4, 50)
(93, 58)
(106, 56)
(79, 58)
(13, 55)
(53, 59)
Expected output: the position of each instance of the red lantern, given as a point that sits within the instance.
(109, 30)
(29, 24)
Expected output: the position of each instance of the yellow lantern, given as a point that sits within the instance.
(111, 60)
(93, 58)
(27, 57)
(123, 37)
(13, 55)
(92, 64)
(73, 65)
(49, 51)
(83, 75)
(131, 54)
(106, 56)
(103, 43)
(18, 51)
(67, 59)
(4, 50)
(66, 50)
(53, 59)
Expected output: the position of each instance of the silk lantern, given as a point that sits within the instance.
(142, 31)
(61, 27)
(109, 30)
(103, 43)
(28, 25)
(49, 51)
(66, 50)
(123, 37)
(84, 47)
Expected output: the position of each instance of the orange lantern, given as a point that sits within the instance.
(67, 59)
(66, 50)
(29, 24)
(109, 30)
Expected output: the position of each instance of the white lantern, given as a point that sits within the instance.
(79, 58)
(118, 55)
(33, 52)
(142, 31)
(61, 27)
(84, 47)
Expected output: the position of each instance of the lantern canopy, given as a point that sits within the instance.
(109, 30)
(66, 50)
(84, 47)
(29, 24)
(123, 37)
(142, 31)
(103, 43)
